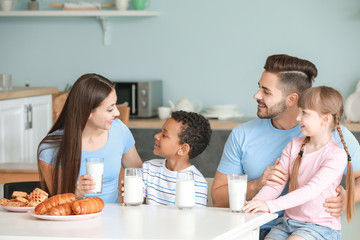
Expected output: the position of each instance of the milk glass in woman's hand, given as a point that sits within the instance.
(185, 190)
(133, 194)
(237, 185)
(95, 168)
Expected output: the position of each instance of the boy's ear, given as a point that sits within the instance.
(184, 149)
(292, 99)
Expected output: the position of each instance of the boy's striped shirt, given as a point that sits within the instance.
(160, 184)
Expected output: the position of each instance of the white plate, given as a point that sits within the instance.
(64, 218)
(222, 111)
(352, 107)
(223, 107)
(17, 209)
(223, 116)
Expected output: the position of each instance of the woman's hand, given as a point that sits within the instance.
(85, 184)
(255, 206)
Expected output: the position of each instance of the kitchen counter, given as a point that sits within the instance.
(139, 222)
(18, 172)
(19, 92)
(156, 123)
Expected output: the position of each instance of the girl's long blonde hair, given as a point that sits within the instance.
(326, 100)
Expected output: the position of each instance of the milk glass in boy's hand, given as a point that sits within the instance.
(185, 190)
(95, 168)
(237, 185)
(133, 194)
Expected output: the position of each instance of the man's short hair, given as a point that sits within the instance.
(196, 131)
(295, 74)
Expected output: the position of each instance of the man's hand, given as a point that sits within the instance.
(336, 205)
(273, 175)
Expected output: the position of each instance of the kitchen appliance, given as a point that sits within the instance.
(143, 97)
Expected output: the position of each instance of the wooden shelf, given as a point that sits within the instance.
(102, 15)
(94, 13)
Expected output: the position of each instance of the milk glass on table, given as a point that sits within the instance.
(133, 184)
(237, 185)
(185, 190)
(95, 168)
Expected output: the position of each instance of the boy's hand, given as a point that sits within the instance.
(122, 190)
(255, 206)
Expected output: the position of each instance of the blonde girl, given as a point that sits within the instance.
(315, 164)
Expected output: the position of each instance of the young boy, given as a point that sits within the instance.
(184, 136)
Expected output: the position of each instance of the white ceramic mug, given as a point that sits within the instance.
(95, 168)
(164, 112)
(5, 82)
(185, 190)
(133, 184)
(237, 185)
(7, 5)
(122, 5)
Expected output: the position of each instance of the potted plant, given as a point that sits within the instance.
(33, 5)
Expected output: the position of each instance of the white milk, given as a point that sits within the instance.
(237, 194)
(96, 170)
(133, 190)
(185, 194)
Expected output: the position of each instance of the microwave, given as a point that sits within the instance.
(143, 97)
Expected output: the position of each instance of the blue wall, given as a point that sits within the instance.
(212, 51)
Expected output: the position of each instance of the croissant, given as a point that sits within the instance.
(61, 210)
(88, 205)
(54, 201)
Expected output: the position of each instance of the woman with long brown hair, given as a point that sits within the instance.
(315, 164)
(87, 127)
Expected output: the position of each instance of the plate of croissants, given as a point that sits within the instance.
(65, 207)
(22, 202)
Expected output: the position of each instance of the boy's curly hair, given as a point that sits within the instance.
(196, 131)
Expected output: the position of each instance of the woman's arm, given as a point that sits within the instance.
(131, 159)
(47, 172)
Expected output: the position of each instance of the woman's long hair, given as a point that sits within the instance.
(326, 100)
(87, 93)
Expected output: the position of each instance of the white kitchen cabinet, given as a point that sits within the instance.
(24, 122)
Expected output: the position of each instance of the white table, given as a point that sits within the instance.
(141, 222)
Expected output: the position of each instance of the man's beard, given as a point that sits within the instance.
(274, 111)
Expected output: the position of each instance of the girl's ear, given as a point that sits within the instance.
(328, 118)
(184, 149)
(292, 99)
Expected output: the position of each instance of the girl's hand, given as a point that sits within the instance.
(255, 206)
(85, 184)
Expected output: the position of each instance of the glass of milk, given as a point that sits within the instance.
(237, 184)
(185, 190)
(95, 168)
(133, 183)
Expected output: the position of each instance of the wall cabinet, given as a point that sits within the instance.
(24, 122)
